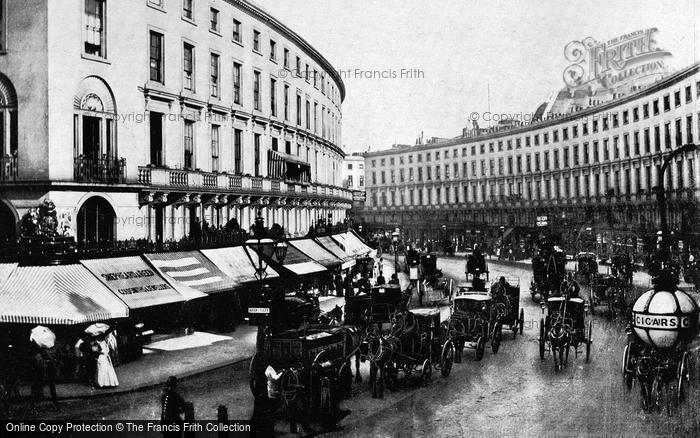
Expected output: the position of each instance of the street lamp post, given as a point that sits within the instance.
(661, 193)
(395, 239)
(265, 248)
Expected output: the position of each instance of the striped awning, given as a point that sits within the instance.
(236, 263)
(192, 269)
(299, 263)
(352, 244)
(57, 295)
(348, 261)
(316, 252)
(138, 284)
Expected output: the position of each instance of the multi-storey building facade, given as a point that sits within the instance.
(138, 118)
(353, 172)
(593, 168)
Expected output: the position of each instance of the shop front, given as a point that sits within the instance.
(239, 264)
(299, 272)
(156, 305)
(219, 310)
(324, 258)
(66, 299)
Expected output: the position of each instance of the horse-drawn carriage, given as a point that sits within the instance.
(548, 269)
(506, 301)
(610, 290)
(372, 314)
(564, 327)
(474, 323)
(586, 266)
(412, 266)
(622, 265)
(476, 271)
(417, 343)
(309, 370)
(377, 307)
(364, 266)
(664, 321)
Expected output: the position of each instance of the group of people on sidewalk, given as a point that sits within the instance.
(41, 364)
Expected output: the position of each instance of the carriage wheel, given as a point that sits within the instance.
(256, 373)
(496, 338)
(683, 377)
(345, 380)
(447, 358)
(479, 352)
(627, 374)
(589, 340)
(426, 372)
(522, 320)
(542, 340)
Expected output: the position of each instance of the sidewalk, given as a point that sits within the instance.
(182, 356)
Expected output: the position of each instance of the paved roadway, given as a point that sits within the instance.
(514, 393)
(511, 393)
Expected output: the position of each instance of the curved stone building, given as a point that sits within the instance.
(592, 171)
(139, 118)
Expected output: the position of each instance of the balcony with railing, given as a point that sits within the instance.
(8, 168)
(99, 170)
(165, 178)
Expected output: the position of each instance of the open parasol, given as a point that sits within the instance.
(97, 329)
(43, 337)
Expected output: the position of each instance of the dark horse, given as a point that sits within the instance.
(560, 334)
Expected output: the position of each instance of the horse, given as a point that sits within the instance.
(560, 335)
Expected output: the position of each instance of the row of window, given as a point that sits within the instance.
(606, 183)
(609, 121)
(628, 145)
(189, 142)
(320, 80)
(329, 124)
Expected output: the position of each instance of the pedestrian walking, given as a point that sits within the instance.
(45, 371)
(173, 406)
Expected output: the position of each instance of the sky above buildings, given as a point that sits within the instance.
(413, 66)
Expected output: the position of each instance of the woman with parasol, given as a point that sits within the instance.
(104, 374)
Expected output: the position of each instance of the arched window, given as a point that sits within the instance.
(94, 132)
(8, 117)
(8, 129)
(96, 223)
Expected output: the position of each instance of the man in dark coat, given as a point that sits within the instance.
(173, 406)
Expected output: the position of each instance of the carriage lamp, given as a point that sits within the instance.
(543, 305)
(281, 251)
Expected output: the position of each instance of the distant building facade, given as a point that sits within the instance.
(592, 170)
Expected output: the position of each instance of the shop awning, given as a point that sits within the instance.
(193, 269)
(236, 263)
(331, 245)
(286, 166)
(57, 295)
(352, 244)
(316, 252)
(137, 284)
(298, 263)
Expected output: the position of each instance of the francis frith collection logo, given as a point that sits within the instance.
(615, 63)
